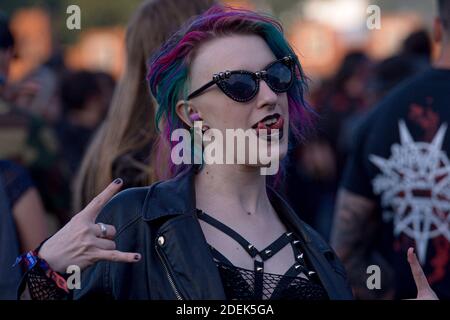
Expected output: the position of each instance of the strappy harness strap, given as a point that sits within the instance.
(286, 238)
(251, 250)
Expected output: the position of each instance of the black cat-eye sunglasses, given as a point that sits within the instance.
(243, 85)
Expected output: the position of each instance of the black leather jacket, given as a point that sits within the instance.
(160, 223)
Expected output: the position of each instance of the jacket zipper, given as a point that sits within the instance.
(169, 277)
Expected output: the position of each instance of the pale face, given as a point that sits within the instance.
(238, 52)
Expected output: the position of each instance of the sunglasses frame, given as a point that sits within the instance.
(218, 78)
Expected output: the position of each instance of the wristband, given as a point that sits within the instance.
(32, 261)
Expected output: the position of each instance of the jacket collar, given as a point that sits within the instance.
(170, 197)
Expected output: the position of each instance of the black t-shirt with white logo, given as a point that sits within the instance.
(401, 161)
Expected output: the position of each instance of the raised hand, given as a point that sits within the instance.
(424, 291)
(82, 242)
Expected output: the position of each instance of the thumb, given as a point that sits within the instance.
(94, 207)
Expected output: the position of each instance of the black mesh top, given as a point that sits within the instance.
(300, 282)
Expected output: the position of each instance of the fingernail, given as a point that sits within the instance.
(118, 181)
(137, 257)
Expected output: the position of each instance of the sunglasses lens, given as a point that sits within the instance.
(240, 87)
(279, 77)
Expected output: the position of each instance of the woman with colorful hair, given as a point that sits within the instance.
(209, 231)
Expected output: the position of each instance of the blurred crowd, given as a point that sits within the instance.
(341, 104)
(65, 134)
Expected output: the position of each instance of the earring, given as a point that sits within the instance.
(195, 117)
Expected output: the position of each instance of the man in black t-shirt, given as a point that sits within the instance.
(395, 192)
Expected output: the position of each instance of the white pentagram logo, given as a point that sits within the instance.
(415, 183)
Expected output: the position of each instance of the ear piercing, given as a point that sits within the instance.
(195, 117)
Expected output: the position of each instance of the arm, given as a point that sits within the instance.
(353, 234)
(30, 220)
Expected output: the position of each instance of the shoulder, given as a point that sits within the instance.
(385, 114)
(316, 237)
(324, 248)
(399, 97)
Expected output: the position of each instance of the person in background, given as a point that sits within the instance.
(316, 165)
(390, 72)
(394, 193)
(29, 141)
(6, 50)
(122, 145)
(23, 223)
(38, 91)
(387, 74)
(418, 45)
(340, 99)
(25, 205)
(84, 98)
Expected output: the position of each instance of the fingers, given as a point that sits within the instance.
(118, 256)
(105, 244)
(93, 208)
(419, 277)
(110, 231)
